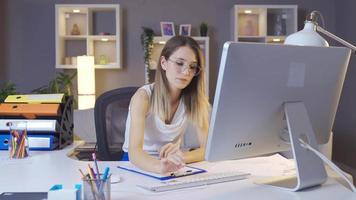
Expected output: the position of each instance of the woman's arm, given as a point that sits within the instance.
(172, 149)
(138, 111)
(197, 155)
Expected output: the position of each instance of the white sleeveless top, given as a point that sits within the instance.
(157, 133)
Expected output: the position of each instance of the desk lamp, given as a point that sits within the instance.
(86, 82)
(309, 37)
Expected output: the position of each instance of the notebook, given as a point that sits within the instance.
(23, 196)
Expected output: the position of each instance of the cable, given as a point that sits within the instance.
(328, 162)
(313, 16)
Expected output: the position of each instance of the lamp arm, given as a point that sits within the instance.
(327, 33)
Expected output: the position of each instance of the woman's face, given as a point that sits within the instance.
(180, 67)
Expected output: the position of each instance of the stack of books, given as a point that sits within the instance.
(49, 119)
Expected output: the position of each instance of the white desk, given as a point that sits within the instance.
(44, 169)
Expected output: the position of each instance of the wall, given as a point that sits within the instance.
(2, 42)
(344, 148)
(31, 46)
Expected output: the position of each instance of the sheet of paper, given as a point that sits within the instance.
(274, 165)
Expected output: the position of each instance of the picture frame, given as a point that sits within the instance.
(184, 29)
(167, 29)
(248, 24)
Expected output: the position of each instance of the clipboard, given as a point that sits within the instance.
(185, 171)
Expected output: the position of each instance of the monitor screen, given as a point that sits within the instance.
(255, 81)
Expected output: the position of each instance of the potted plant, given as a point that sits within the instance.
(62, 83)
(7, 89)
(204, 29)
(147, 46)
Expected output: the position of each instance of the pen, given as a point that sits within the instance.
(83, 175)
(91, 172)
(96, 165)
(178, 174)
(105, 177)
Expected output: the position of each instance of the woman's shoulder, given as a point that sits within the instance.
(140, 102)
(142, 96)
(148, 88)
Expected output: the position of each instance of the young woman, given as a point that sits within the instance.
(160, 112)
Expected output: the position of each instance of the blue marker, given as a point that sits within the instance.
(106, 174)
(105, 177)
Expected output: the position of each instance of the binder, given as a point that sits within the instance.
(185, 171)
(29, 111)
(38, 125)
(35, 98)
(38, 142)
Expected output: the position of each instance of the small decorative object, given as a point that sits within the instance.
(75, 30)
(184, 29)
(67, 60)
(104, 33)
(280, 24)
(167, 29)
(204, 29)
(74, 60)
(103, 60)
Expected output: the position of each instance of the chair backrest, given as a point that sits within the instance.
(110, 113)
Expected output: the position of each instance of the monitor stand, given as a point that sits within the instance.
(310, 170)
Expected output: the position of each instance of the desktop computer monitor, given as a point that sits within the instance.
(255, 83)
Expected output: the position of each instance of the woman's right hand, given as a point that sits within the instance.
(171, 163)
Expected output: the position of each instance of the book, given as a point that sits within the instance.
(185, 171)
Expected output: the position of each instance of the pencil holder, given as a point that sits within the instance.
(96, 189)
(18, 143)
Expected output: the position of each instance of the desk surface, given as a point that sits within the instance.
(43, 169)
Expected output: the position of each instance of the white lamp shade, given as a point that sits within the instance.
(86, 75)
(86, 82)
(307, 37)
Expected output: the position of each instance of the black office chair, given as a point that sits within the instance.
(110, 113)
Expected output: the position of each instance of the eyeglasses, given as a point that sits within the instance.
(180, 66)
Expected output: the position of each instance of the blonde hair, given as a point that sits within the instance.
(194, 95)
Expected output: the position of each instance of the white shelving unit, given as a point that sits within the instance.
(264, 23)
(158, 44)
(100, 35)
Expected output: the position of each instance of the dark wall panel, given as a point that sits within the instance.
(344, 144)
(3, 51)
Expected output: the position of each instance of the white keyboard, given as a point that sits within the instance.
(195, 180)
